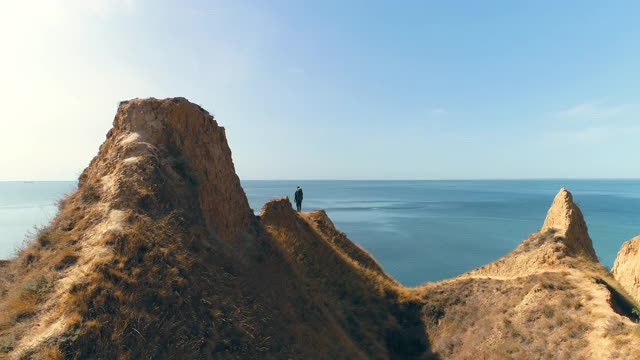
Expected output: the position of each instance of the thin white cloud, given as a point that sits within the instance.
(597, 122)
(592, 135)
(438, 112)
(599, 110)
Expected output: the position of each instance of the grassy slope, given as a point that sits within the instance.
(535, 302)
(161, 288)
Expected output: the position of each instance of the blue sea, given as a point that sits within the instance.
(418, 230)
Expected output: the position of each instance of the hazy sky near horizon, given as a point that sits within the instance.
(334, 89)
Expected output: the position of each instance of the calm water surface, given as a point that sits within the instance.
(418, 230)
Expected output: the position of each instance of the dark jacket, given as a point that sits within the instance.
(298, 195)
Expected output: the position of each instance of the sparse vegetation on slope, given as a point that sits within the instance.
(522, 318)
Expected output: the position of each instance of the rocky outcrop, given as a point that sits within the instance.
(626, 268)
(566, 221)
(156, 145)
(562, 239)
(278, 211)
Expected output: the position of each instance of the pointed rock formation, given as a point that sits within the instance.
(164, 147)
(562, 238)
(565, 220)
(626, 268)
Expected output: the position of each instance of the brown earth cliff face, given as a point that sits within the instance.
(158, 255)
(566, 219)
(187, 138)
(626, 268)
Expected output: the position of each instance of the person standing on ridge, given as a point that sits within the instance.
(298, 198)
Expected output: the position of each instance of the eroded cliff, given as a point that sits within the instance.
(626, 268)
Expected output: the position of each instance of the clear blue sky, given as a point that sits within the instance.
(334, 89)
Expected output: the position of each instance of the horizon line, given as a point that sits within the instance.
(363, 179)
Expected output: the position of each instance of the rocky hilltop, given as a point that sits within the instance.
(158, 255)
(548, 298)
(173, 146)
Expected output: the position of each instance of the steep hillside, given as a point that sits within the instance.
(549, 298)
(158, 255)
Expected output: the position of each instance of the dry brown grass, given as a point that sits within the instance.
(374, 312)
(528, 317)
(7, 342)
(51, 353)
(20, 305)
(297, 288)
(28, 280)
(167, 291)
(144, 282)
(21, 302)
(621, 302)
